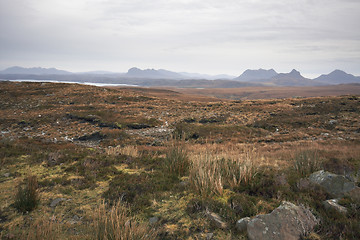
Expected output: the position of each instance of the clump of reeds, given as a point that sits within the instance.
(117, 224)
(43, 228)
(127, 150)
(307, 161)
(27, 196)
(211, 173)
(177, 160)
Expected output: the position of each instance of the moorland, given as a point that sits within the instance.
(85, 162)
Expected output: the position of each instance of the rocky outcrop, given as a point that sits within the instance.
(287, 222)
(335, 185)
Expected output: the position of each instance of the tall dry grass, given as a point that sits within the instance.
(177, 159)
(43, 228)
(27, 196)
(213, 171)
(117, 224)
(307, 161)
(127, 150)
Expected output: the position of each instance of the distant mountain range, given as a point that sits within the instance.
(294, 78)
(337, 77)
(161, 77)
(132, 73)
(35, 70)
(152, 73)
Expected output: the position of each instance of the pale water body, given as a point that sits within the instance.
(84, 83)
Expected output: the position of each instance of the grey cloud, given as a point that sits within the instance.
(165, 33)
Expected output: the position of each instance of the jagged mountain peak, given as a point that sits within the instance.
(259, 74)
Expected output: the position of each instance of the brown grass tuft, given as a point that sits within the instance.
(43, 228)
(27, 197)
(177, 160)
(117, 224)
(128, 150)
(211, 172)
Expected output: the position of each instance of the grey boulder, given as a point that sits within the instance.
(335, 185)
(287, 222)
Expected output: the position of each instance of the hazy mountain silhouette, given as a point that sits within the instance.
(205, 76)
(260, 77)
(35, 70)
(338, 77)
(256, 75)
(152, 73)
(293, 78)
(99, 72)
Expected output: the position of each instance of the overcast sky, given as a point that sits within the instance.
(206, 36)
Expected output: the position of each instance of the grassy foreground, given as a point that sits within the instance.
(125, 165)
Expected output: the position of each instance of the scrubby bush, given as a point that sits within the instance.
(27, 197)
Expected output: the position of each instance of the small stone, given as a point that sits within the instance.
(76, 219)
(241, 225)
(209, 236)
(184, 184)
(333, 204)
(153, 220)
(56, 201)
(6, 174)
(216, 220)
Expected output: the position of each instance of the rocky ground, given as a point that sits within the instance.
(89, 144)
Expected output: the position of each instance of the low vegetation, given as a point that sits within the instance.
(27, 197)
(116, 223)
(131, 164)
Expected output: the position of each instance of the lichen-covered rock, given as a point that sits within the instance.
(287, 222)
(336, 185)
